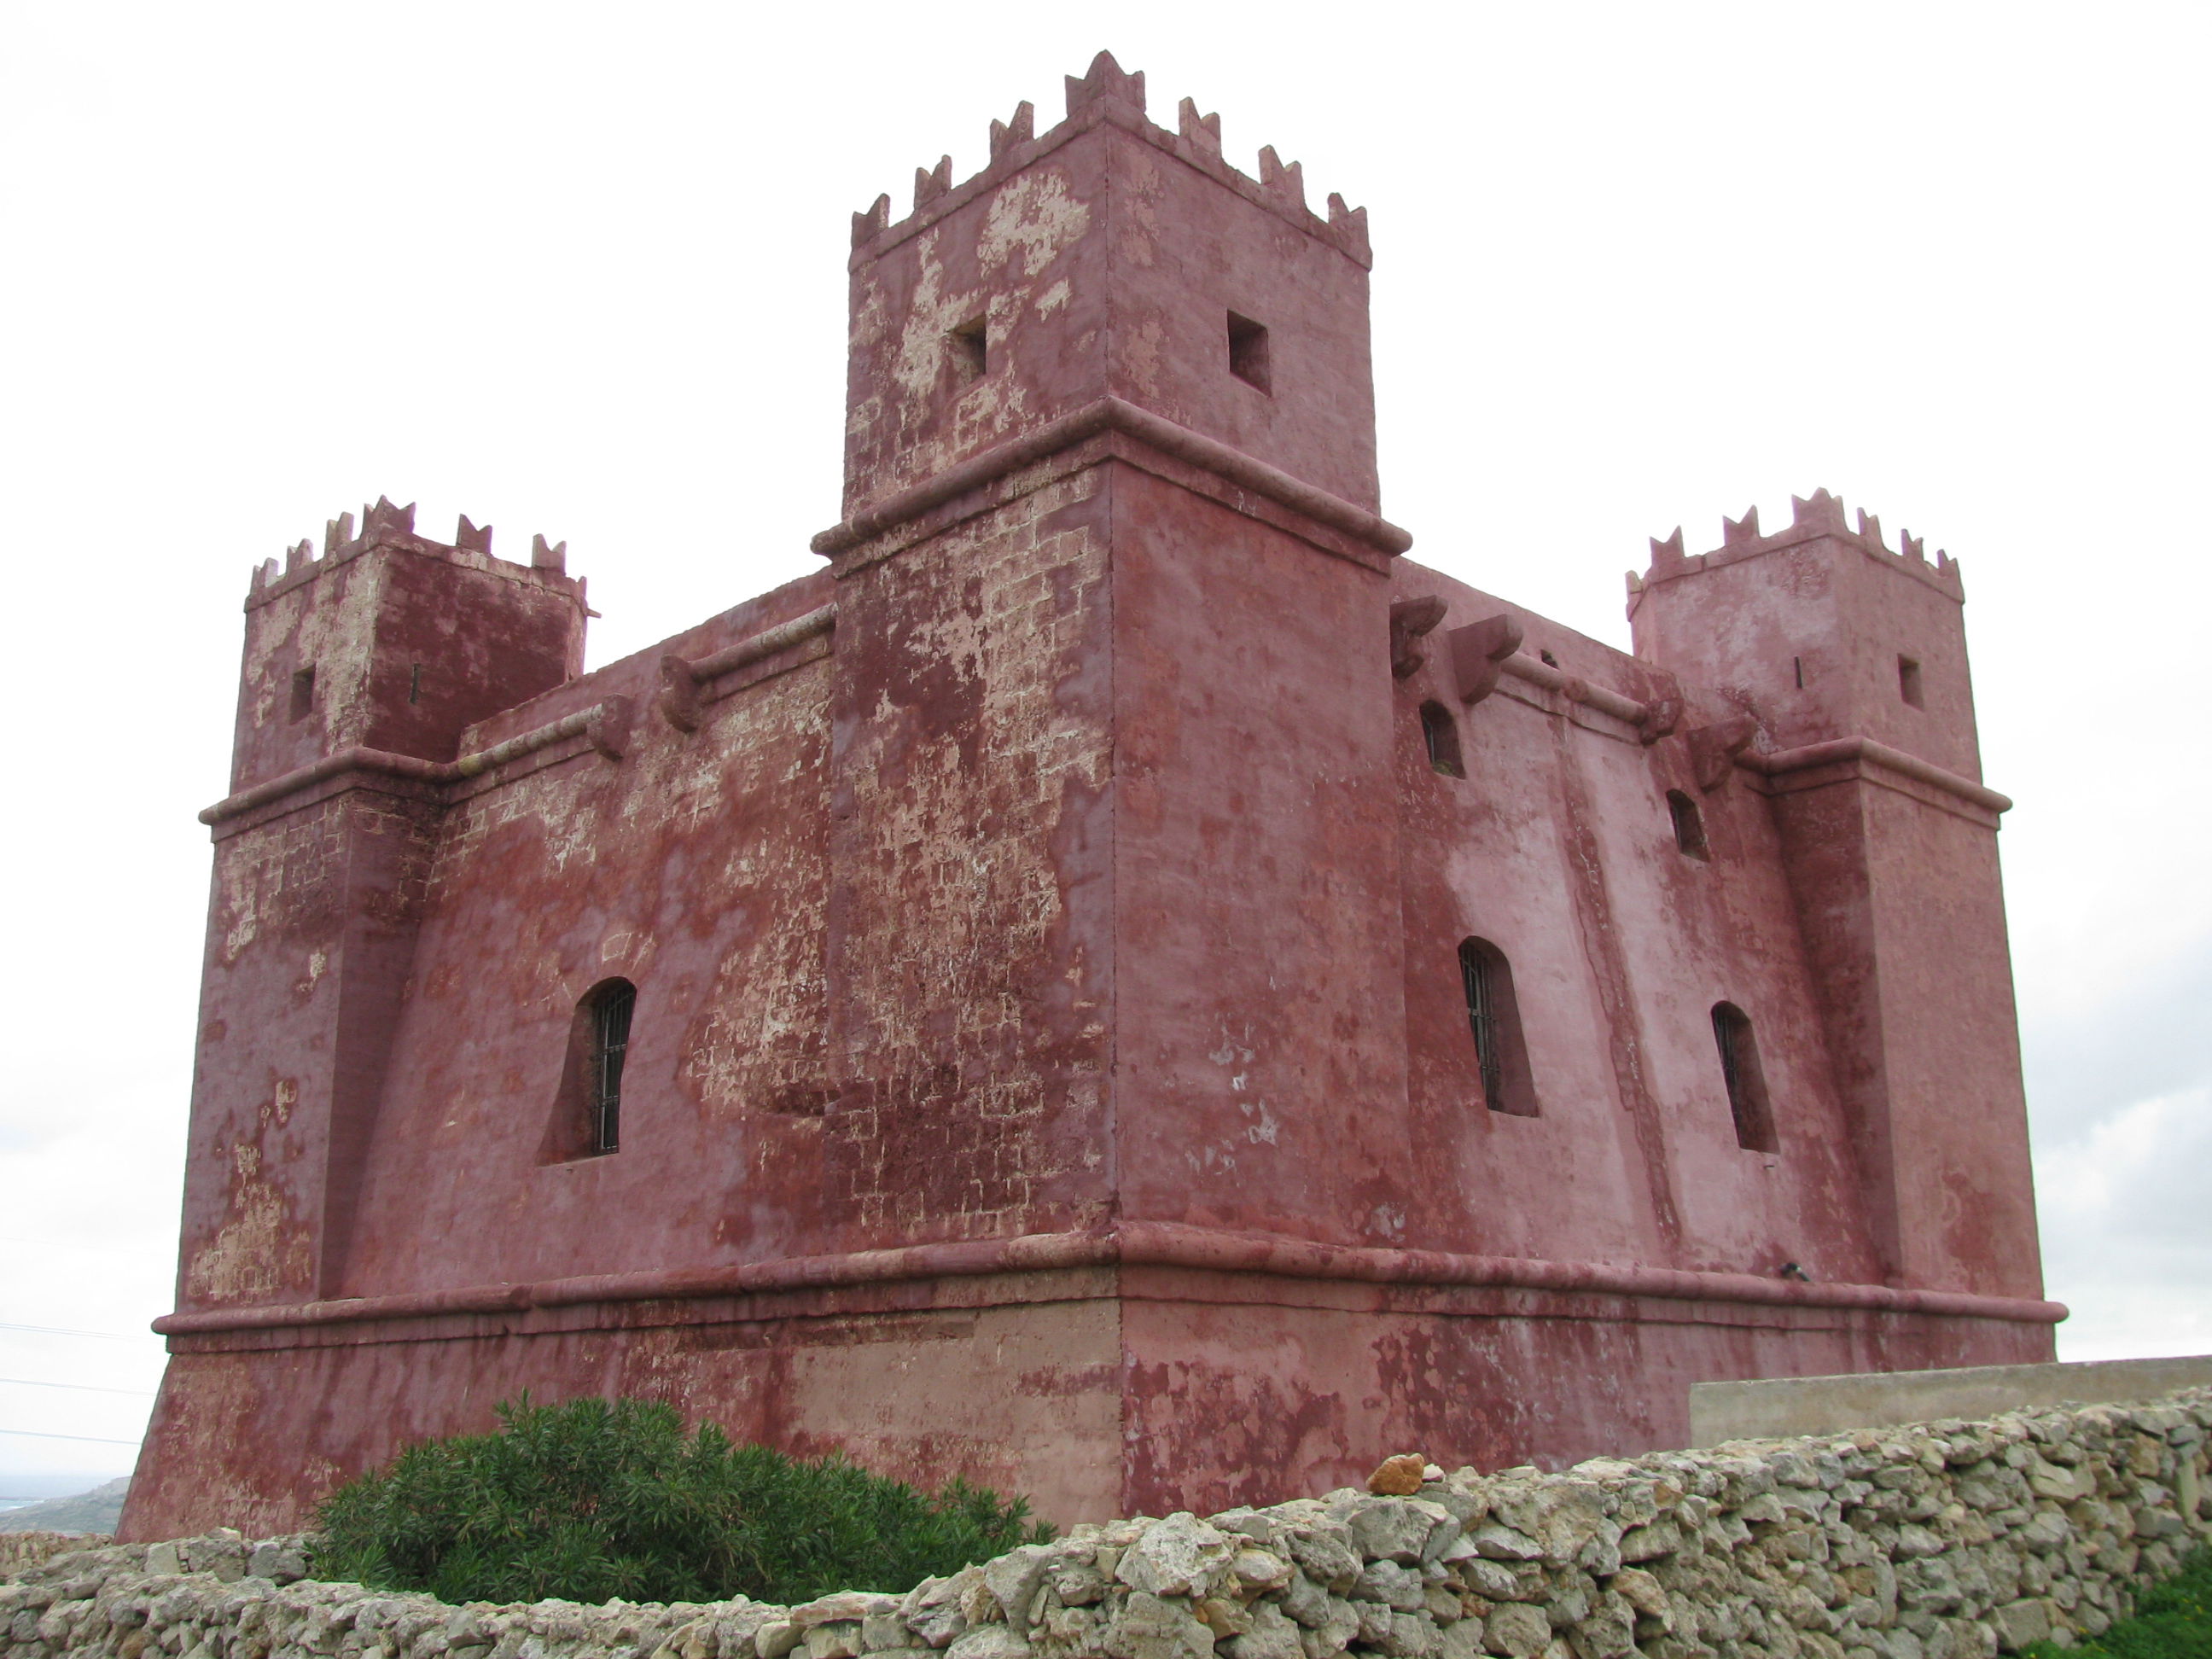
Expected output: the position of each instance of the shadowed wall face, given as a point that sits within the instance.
(1049, 1048)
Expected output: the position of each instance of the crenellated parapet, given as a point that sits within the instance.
(1820, 515)
(1108, 93)
(386, 526)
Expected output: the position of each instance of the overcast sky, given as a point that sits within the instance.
(581, 269)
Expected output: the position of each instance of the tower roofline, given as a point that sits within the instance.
(1107, 95)
(385, 526)
(1814, 517)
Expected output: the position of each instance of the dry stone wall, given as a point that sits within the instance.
(1945, 1541)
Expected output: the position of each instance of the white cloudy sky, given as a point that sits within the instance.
(579, 269)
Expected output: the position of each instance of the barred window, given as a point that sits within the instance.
(1493, 1019)
(609, 1008)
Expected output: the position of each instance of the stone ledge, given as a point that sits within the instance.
(1875, 1400)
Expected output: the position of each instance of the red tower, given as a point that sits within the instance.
(1121, 986)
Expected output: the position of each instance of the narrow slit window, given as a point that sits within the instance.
(1745, 1081)
(303, 694)
(1797, 668)
(1493, 1019)
(1440, 735)
(1689, 824)
(970, 345)
(608, 1010)
(415, 683)
(1248, 353)
(1908, 681)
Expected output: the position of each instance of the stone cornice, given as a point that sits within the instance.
(1114, 415)
(1133, 1244)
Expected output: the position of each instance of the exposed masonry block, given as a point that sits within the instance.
(1079, 926)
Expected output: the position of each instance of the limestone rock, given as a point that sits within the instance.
(989, 1641)
(1400, 1476)
(1151, 1627)
(1323, 1550)
(932, 1609)
(1270, 1637)
(1257, 1571)
(1517, 1631)
(1014, 1579)
(1178, 1556)
(2022, 1623)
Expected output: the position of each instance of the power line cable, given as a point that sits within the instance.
(95, 1439)
(89, 1387)
(57, 1330)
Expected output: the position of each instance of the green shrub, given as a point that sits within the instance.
(588, 1500)
(2172, 1620)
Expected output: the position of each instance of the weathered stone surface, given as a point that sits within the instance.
(1518, 1630)
(1178, 1556)
(1152, 1627)
(1400, 1476)
(1270, 1637)
(1324, 1553)
(1927, 1540)
(932, 1609)
(989, 1641)
(1015, 1578)
(2021, 1624)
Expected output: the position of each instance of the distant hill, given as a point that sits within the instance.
(96, 1510)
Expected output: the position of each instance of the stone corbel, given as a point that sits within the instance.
(607, 729)
(1410, 619)
(680, 692)
(1713, 748)
(1478, 651)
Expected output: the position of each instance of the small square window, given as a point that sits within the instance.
(1248, 353)
(303, 694)
(1908, 681)
(1689, 824)
(970, 348)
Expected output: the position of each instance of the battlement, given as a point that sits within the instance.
(1106, 93)
(1811, 519)
(386, 526)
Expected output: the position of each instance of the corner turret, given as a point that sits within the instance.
(391, 641)
(1820, 628)
(1109, 258)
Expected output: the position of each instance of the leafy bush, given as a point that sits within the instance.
(588, 1500)
(2172, 1620)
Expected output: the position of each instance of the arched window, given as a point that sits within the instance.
(1440, 733)
(1746, 1081)
(587, 1107)
(1493, 1019)
(1689, 824)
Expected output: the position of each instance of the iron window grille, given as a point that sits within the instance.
(610, 1016)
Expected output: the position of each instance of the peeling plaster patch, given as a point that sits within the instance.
(1265, 1129)
(931, 314)
(257, 1252)
(1053, 298)
(1035, 213)
(1144, 350)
